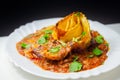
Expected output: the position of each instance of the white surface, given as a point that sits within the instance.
(9, 71)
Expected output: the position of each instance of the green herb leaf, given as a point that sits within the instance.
(99, 39)
(83, 33)
(75, 39)
(75, 66)
(24, 45)
(42, 40)
(97, 51)
(48, 31)
(54, 49)
(46, 36)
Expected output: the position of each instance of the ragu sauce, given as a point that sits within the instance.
(91, 57)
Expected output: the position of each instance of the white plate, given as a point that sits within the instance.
(112, 61)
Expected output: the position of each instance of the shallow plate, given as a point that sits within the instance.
(112, 61)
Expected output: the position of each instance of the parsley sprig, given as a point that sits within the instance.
(97, 51)
(75, 65)
(55, 49)
(25, 45)
(43, 39)
(99, 39)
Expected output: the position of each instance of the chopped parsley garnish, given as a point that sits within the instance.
(78, 38)
(99, 39)
(97, 51)
(54, 49)
(48, 31)
(24, 45)
(46, 36)
(75, 65)
(83, 33)
(42, 40)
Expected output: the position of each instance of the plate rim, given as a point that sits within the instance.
(68, 77)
